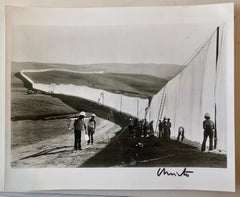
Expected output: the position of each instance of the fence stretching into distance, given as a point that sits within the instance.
(199, 88)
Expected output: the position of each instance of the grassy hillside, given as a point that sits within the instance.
(127, 84)
(166, 71)
(17, 67)
(101, 111)
(130, 79)
(33, 106)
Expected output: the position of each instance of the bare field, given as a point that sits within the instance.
(27, 132)
(55, 149)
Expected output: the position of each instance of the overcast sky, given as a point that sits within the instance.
(114, 35)
(171, 44)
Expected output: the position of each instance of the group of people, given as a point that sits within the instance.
(208, 127)
(143, 128)
(140, 128)
(80, 127)
(164, 129)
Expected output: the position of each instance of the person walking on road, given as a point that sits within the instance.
(79, 126)
(208, 127)
(91, 128)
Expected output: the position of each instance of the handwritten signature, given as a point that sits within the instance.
(183, 173)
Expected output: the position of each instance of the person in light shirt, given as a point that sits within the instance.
(208, 127)
(91, 128)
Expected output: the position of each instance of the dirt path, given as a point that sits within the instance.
(58, 152)
(48, 143)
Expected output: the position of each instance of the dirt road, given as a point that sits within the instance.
(58, 152)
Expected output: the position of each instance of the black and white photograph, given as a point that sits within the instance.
(118, 96)
(119, 88)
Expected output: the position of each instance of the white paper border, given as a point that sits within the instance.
(138, 178)
(2, 101)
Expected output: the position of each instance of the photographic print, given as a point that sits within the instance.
(155, 95)
(90, 89)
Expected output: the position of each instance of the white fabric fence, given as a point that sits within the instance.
(195, 91)
(131, 105)
(192, 93)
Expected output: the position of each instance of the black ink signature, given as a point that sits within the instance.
(163, 171)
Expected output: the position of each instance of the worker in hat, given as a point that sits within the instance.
(79, 127)
(208, 127)
(91, 128)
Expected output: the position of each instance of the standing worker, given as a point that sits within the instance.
(164, 125)
(131, 127)
(79, 126)
(145, 128)
(208, 127)
(91, 128)
(151, 134)
(160, 127)
(169, 125)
